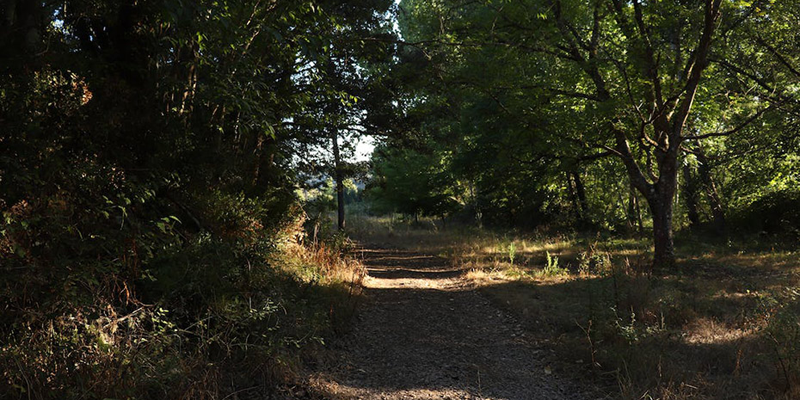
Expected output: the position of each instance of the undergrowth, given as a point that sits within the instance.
(203, 317)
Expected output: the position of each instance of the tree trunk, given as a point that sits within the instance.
(661, 200)
(660, 197)
(638, 208)
(581, 192)
(573, 198)
(577, 194)
(664, 254)
(690, 195)
(339, 178)
(710, 187)
(634, 212)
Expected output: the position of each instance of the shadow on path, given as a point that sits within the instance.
(394, 264)
(424, 334)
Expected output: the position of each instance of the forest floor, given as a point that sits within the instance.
(425, 332)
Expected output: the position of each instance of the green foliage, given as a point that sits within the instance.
(551, 267)
(413, 183)
(594, 262)
(589, 109)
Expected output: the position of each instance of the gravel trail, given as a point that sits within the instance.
(424, 333)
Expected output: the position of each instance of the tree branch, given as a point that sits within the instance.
(699, 64)
(741, 126)
(779, 56)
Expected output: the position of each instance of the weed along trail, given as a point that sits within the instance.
(423, 333)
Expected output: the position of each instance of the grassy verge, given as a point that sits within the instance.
(723, 324)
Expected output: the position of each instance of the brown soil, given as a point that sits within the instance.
(425, 333)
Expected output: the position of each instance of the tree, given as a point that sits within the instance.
(413, 182)
(599, 78)
(343, 81)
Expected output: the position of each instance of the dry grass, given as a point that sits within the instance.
(322, 263)
(724, 324)
(334, 271)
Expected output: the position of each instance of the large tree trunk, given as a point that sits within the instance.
(664, 255)
(661, 200)
(660, 197)
(339, 178)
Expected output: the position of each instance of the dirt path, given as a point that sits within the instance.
(424, 334)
